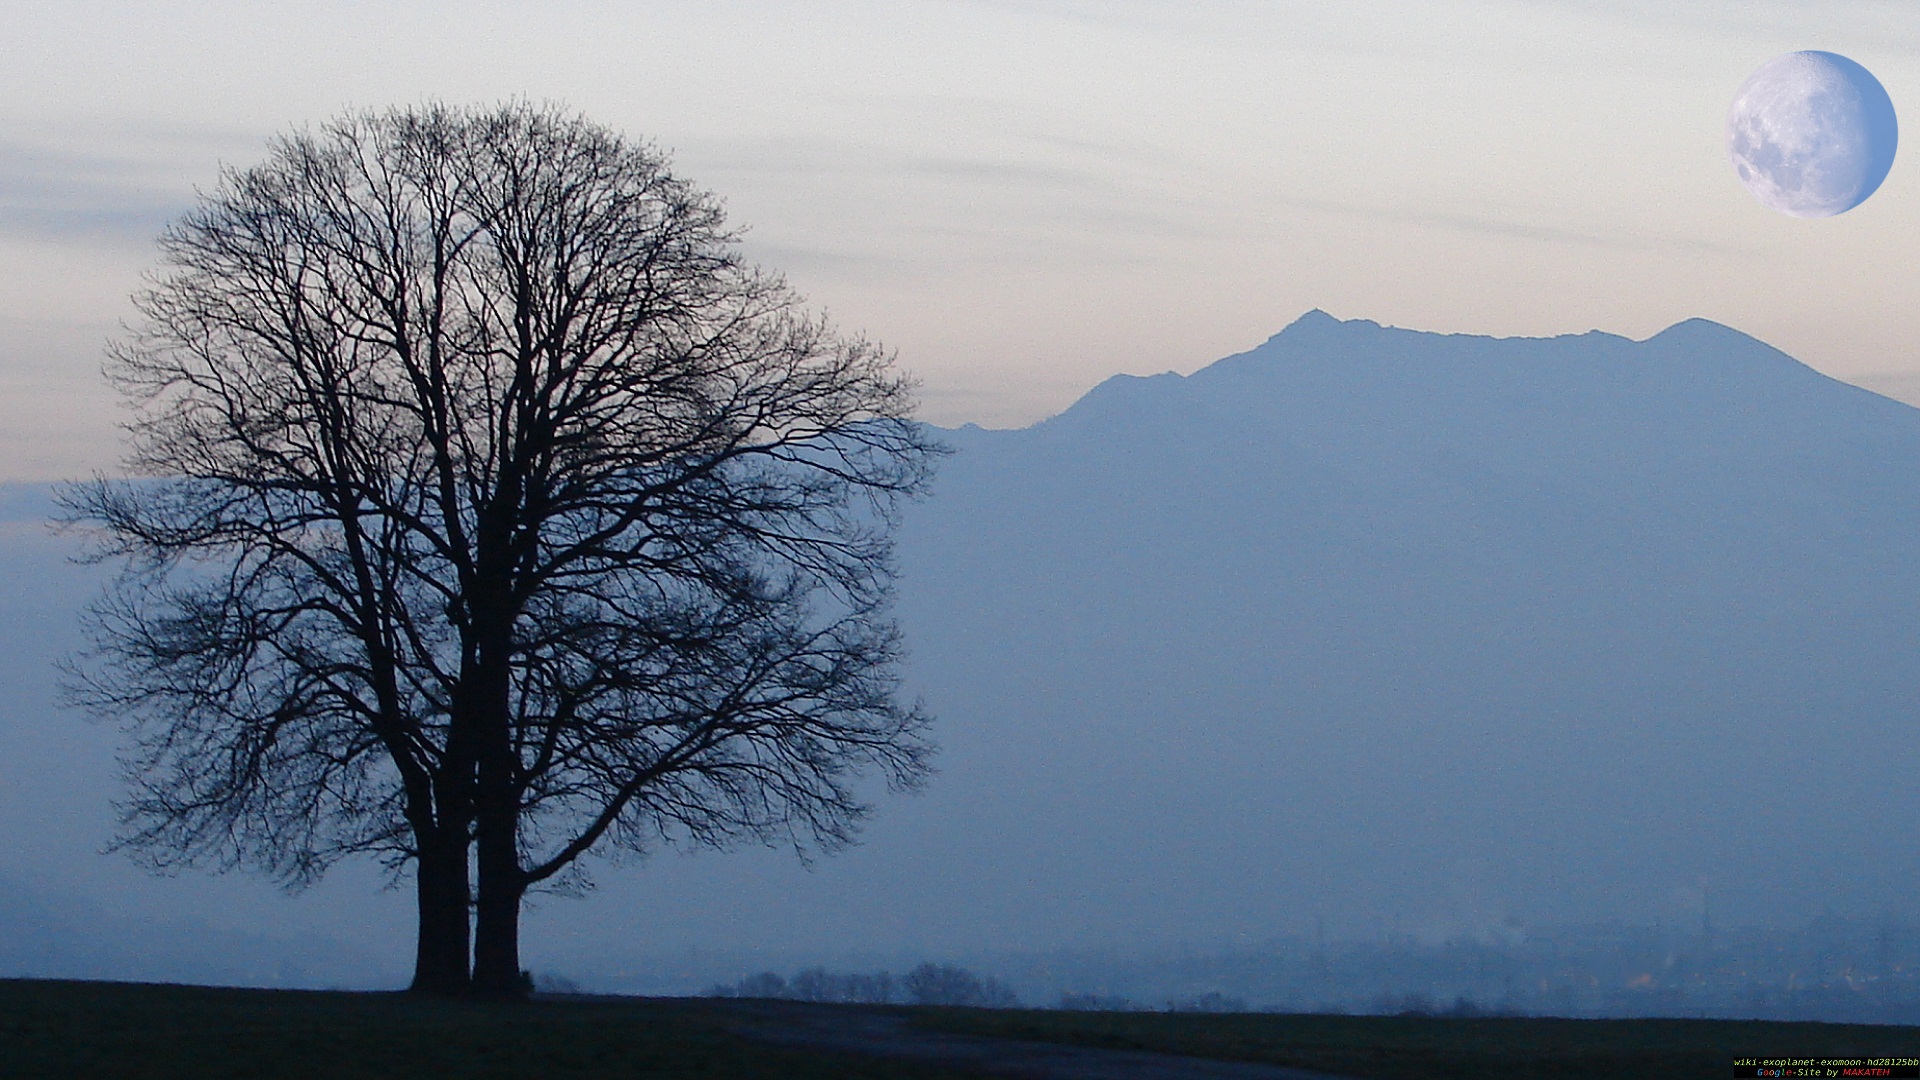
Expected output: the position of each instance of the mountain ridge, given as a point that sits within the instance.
(1654, 565)
(1549, 630)
(1316, 332)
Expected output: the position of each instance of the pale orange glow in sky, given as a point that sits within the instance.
(1021, 198)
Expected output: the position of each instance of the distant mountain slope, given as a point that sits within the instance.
(1382, 625)
(1364, 628)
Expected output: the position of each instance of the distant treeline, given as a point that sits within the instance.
(928, 984)
(937, 984)
(1834, 969)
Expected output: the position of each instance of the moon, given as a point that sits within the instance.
(1811, 134)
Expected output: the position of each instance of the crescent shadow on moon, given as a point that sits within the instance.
(1812, 134)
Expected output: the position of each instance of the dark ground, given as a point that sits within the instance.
(75, 1029)
(920, 1035)
(121, 1031)
(1444, 1048)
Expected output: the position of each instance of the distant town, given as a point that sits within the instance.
(1832, 969)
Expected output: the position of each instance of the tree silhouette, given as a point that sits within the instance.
(491, 510)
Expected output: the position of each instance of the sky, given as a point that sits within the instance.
(1020, 198)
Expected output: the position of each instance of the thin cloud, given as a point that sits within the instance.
(1485, 225)
(1008, 173)
(111, 184)
(61, 195)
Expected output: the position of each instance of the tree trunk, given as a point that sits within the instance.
(496, 806)
(486, 681)
(440, 956)
(496, 932)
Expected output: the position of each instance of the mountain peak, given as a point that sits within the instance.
(1382, 560)
(1692, 330)
(1321, 369)
(1317, 324)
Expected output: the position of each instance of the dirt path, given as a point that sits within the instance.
(882, 1034)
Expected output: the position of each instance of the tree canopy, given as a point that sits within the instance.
(487, 509)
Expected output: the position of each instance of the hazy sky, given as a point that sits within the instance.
(1022, 198)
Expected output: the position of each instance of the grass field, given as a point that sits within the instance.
(124, 1030)
(130, 1032)
(1414, 1048)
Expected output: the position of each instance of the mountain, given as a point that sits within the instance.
(1364, 630)
(1437, 631)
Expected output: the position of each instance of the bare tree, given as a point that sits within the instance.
(947, 984)
(494, 511)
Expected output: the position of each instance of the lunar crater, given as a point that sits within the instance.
(1811, 134)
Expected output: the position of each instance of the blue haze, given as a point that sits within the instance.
(1368, 630)
(1393, 628)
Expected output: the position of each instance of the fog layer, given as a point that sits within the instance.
(1362, 631)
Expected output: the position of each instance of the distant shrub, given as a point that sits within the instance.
(945, 984)
(1415, 1004)
(928, 984)
(764, 985)
(819, 984)
(813, 984)
(1211, 1002)
(555, 984)
(876, 989)
(1094, 1003)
